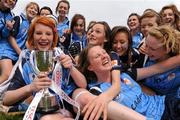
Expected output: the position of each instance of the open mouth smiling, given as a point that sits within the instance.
(105, 62)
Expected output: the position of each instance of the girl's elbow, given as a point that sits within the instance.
(83, 85)
(5, 101)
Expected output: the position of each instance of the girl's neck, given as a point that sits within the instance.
(2, 7)
(29, 18)
(133, 32)
(61, 19)
(104, 77)
(165, 57)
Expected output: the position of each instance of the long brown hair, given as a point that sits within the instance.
(107, 30)
(175, 11)
(83, 63)
(74, 20)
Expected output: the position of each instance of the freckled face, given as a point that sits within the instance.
(43, 37)
(99, 60)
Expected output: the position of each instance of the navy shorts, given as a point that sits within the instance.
(172, 109)
(4, 57)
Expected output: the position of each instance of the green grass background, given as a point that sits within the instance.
(4, 116)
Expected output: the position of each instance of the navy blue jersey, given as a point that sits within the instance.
(167, 83)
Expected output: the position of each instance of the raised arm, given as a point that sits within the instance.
(114, 90)
(77, 76)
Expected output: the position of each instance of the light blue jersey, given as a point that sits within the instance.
(62, 26)
(6, 49)
(132, 96)
(136, 39)
(4, 32)
(23, 31)
(23, 74)
(28, 74)
(166, 83)
(76, 38)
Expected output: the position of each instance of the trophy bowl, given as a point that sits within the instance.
(44, 62)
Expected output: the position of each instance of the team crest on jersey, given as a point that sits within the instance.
(114, 62)
(171, 76)
(127, 81)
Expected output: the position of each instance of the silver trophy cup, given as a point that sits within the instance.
(43, 61)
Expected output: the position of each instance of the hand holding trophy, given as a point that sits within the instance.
(43, 61)
(35, 67)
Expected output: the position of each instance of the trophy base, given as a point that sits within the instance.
(49, 110)
(48, 104)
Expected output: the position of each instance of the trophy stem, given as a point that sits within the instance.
(43, 61)
(46, 91)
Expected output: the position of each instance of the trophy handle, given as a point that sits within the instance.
(33, 62)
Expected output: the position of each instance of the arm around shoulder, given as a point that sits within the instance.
(158, 68)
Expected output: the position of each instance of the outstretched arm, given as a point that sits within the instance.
(158, 67)
(115, 111)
